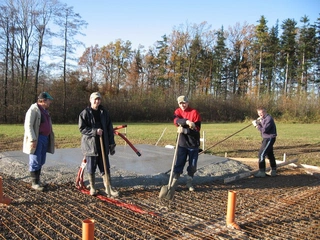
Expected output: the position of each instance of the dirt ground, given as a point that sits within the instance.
(282, 207)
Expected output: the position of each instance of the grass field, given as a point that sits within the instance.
(295, 140)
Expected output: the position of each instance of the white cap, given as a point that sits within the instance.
(182, 99)
(95, 95)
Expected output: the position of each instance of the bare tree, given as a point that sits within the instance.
(71, 24)
(89, 61)
(43, 13)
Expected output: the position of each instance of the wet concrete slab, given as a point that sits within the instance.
(127, 168)
(153, 159)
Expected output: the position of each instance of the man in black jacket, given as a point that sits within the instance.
(94, 124)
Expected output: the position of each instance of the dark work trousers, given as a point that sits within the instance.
(266, 150)
(94, 161)
(183, 154)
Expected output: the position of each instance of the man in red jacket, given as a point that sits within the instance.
(188, 121)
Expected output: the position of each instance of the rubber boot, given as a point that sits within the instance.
(35, 181)
(92, 182)
(272, 173)
(173, 186)
(261, 174)
(42, 184)
(113, 192)
(189, 183)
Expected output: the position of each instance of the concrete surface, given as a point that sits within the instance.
(127, 168)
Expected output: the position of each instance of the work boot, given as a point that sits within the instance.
(272, 173)
(35, 181)
(92, 182)
(174, 185)
(189, 183)
(260, 174)
(41, 183)
(113, 192)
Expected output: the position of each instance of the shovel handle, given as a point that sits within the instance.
(174, 160)
(105, 165)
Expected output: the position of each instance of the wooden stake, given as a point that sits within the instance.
(248, 174)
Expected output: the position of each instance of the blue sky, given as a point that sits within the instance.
(146, 21)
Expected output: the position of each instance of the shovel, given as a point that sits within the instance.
(108, 191)
(165, 190)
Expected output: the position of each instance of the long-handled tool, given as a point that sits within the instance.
(79, 178)
(108, 190)
(203, 151)
(165, 189)
(125, 138)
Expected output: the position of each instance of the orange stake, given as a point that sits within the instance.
(3, 199)
(231, 210)
(88, 229)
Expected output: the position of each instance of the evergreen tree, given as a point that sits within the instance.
(288, 49)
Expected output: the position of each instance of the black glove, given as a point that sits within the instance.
(112, 149)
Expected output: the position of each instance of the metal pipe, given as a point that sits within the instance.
(88, 229)
(231, 209)
(3, 199)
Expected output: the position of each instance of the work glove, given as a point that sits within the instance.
(259, 120)
(255, 123)
(190, 124)
(112, 149)
(182, 130)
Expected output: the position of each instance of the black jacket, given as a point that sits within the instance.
(89, 131)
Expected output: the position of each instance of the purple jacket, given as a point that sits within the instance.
(267, 127)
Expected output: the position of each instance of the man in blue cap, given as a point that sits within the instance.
(38, 137)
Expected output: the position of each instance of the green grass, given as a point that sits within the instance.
(296, 140)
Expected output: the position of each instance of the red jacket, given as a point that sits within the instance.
(192, 138)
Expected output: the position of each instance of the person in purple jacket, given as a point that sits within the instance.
(267, 127)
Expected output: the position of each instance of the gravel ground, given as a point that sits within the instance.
(282, 207)
(63, 173)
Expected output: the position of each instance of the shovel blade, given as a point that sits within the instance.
(163, 191)
(166, 192)
(108, 191)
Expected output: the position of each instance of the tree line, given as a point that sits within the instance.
(225, 72)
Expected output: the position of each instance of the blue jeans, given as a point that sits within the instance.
(184, 154)
(38, 159)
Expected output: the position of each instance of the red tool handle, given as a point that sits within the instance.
(127, 141)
